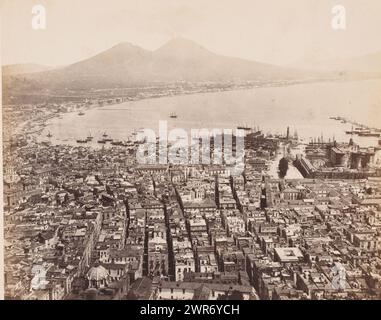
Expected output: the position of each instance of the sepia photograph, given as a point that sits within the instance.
(191, 150)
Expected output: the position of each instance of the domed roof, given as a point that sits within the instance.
(97, 273)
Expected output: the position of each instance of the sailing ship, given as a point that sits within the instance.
(49, 135)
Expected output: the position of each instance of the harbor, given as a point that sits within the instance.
(121, 122)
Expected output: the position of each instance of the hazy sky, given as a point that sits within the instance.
(275, 31)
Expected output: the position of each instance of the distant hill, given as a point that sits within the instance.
(15, 69)
(370, 63)
(366, 63)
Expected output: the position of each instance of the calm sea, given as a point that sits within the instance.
(305, 108)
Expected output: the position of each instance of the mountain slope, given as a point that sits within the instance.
(366, 63)
(370, 63)
(23, 68)
(186, 60)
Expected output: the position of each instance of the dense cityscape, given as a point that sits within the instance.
(92, 223)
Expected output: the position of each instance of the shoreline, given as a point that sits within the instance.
(96, 103)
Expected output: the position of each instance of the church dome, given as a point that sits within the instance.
(97, 273)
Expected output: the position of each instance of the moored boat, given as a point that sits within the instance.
(89, 137)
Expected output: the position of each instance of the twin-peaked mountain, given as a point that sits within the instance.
(178, 60)
(126, 65)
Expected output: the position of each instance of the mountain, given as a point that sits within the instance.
(365, 63)
(126, 65)
(121, 57)
(23, 68)
(185, 60)
(370, 63)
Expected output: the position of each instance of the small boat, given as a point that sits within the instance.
(117, 143)
(173, 115)
(82, 141)
(49, 135)
(81, 113)
(101, 141)
(128, 144)
(358, 131)
(89, 137)
(369, 134)
(105, 135)
(244, 127)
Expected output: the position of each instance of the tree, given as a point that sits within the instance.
(131, 295)
(66, 199)
(234, 295)
(283, 167)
